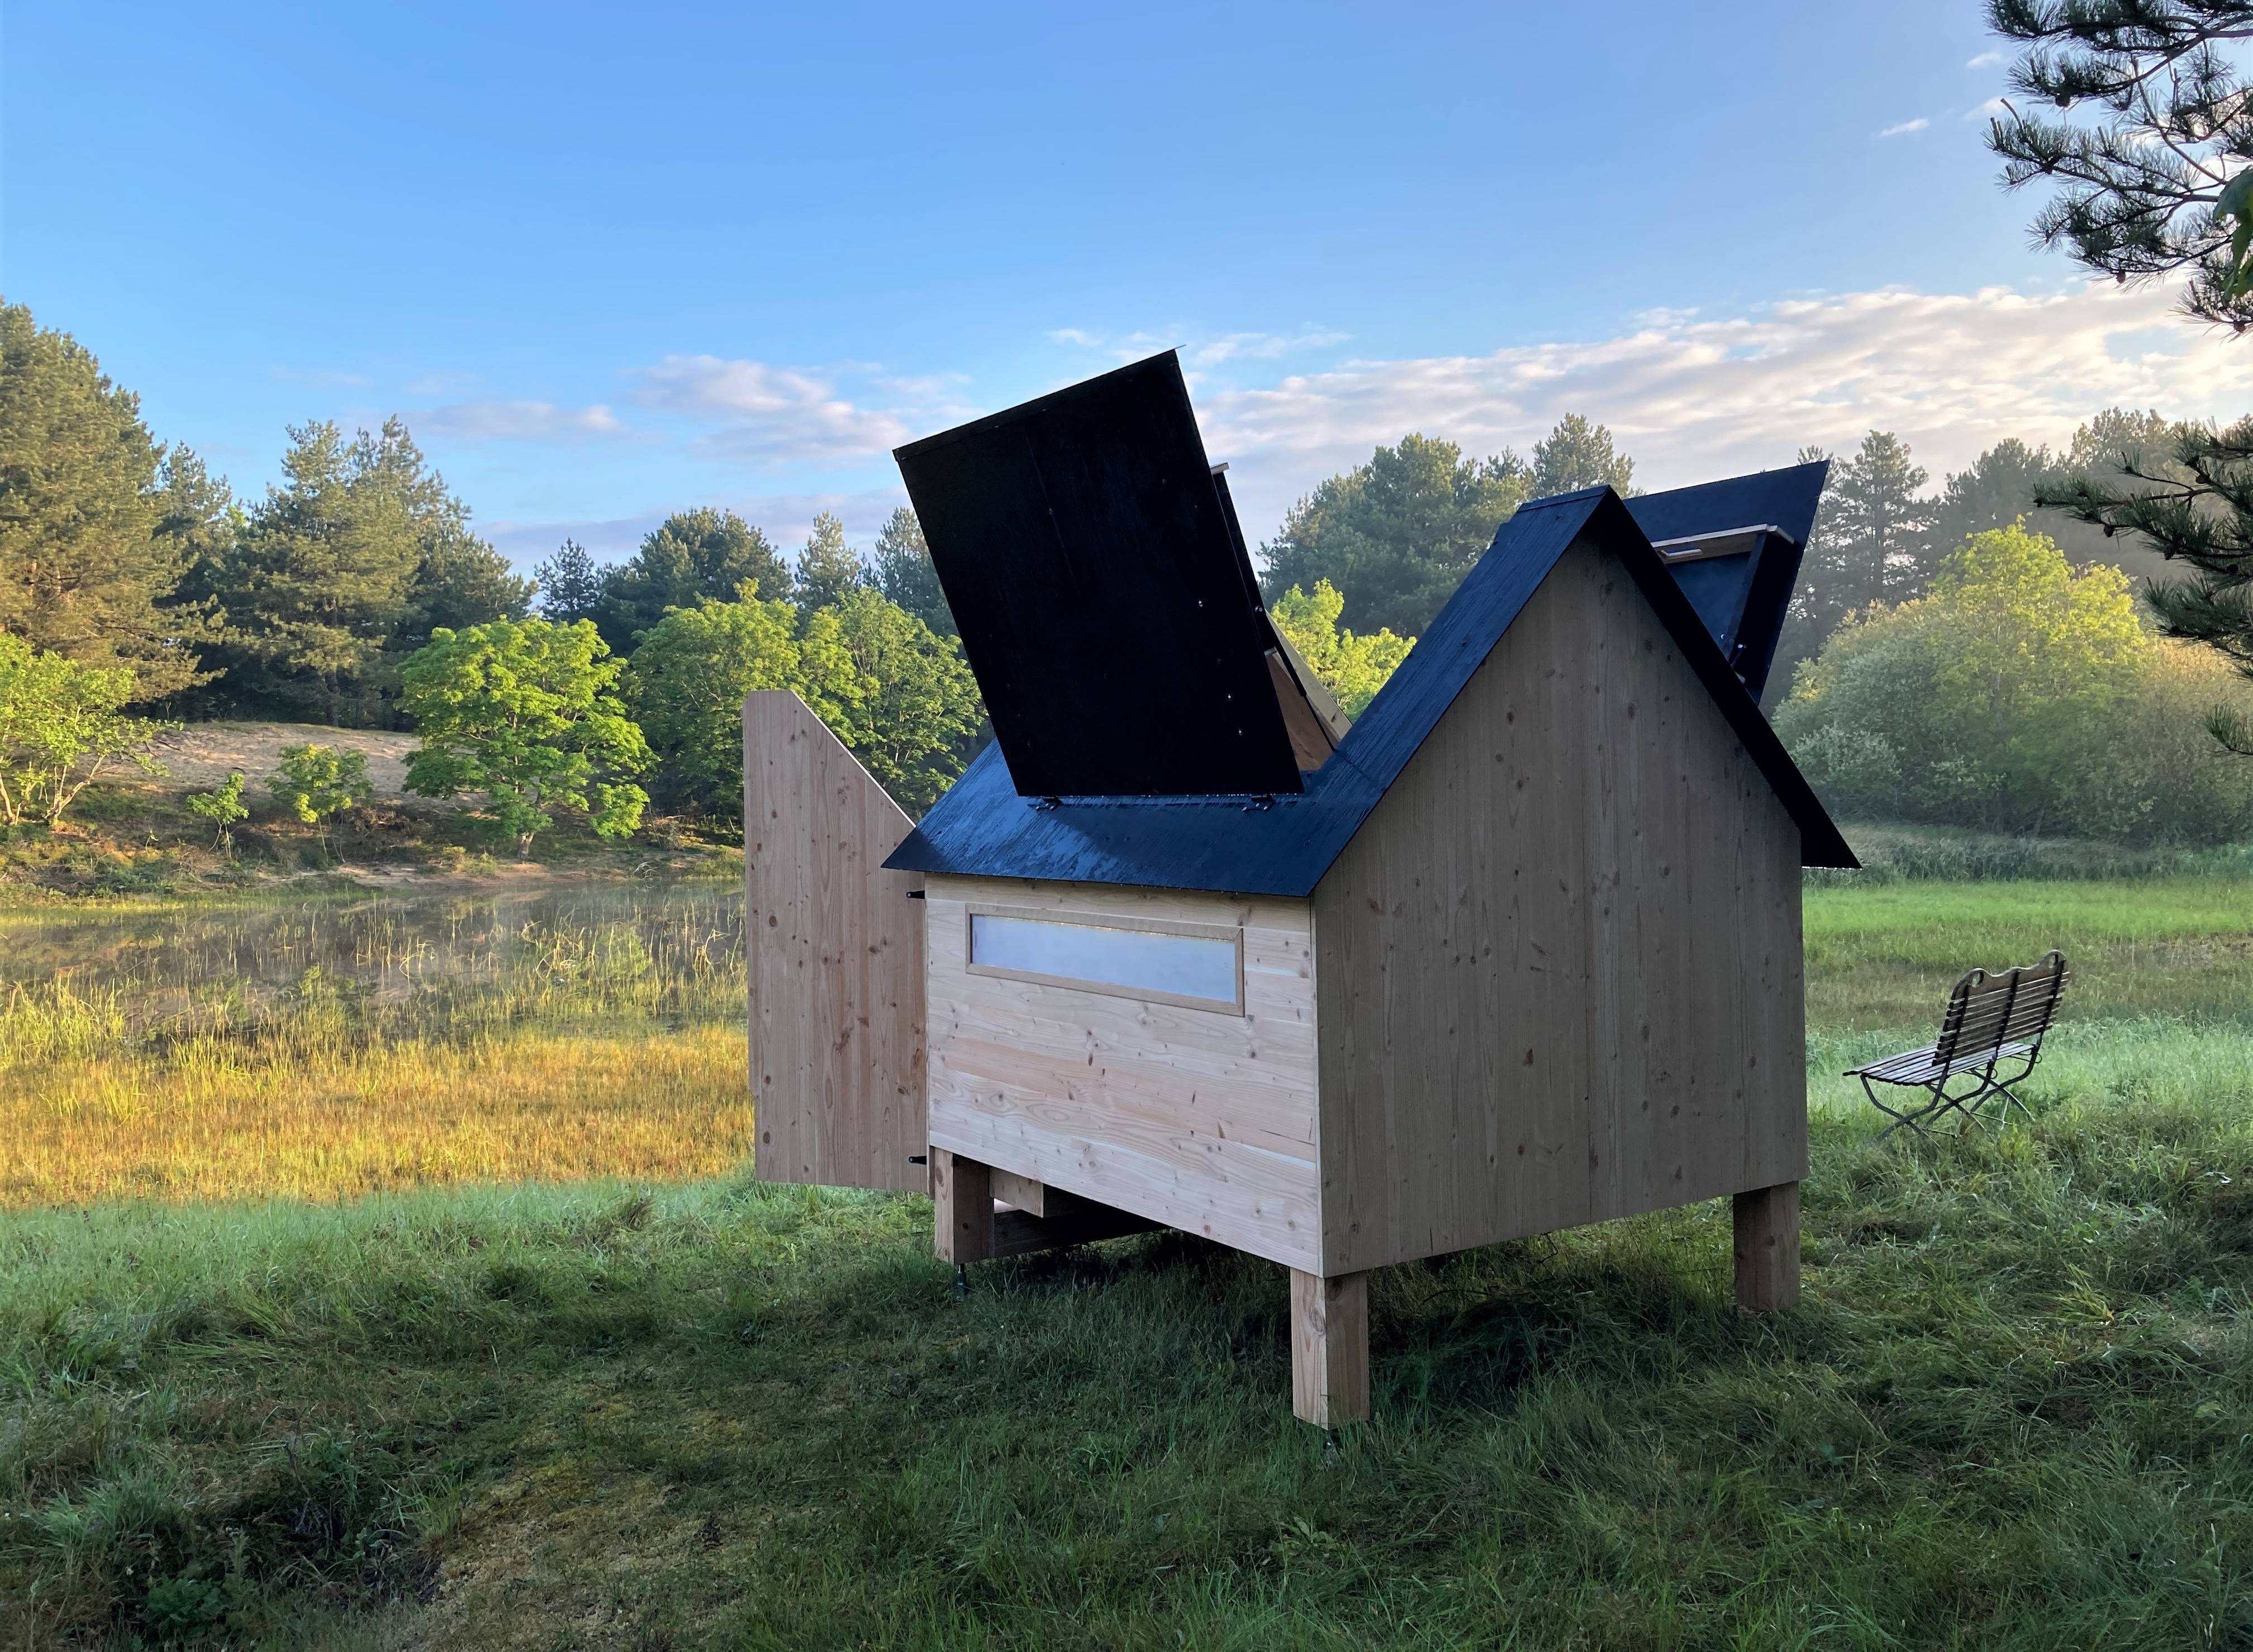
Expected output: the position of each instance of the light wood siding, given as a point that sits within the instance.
(834, 948)
(1559, 970)
(1198, 1119)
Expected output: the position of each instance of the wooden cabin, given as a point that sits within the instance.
(1515, 950)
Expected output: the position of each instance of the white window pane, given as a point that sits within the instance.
(1136, 960)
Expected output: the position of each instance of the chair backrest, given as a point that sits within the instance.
(1986, 1012)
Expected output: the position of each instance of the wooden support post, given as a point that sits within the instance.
(1329, 1348)
(1767, 1221)
(962, 1207)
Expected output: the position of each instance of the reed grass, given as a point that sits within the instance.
(323, 1049)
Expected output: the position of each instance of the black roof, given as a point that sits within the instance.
(1740, 583)
(1283, 843)
(1105, 601)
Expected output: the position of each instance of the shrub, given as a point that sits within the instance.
(2019, 696)
(316, 782)
(222, 806)
(60, 726)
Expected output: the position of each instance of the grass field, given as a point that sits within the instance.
(671, 1407)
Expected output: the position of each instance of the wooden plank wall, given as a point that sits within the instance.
(1194, 1117)
(1559, 966)
(834, 947)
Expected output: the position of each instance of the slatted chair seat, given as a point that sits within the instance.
(1992, 1021)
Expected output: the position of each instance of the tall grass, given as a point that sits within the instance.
(321, 1050)
(2015, 1409)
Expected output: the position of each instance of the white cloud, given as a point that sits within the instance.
(1197, 352)
(1988, 110)
(1985, 60)
(515, 422)
(774, 415)
(1917, 125)
(1690, 399)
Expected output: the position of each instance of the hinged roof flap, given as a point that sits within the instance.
(1087, 553)
(1284, 844)
(1735, 547)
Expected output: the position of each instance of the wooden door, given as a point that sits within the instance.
(834, 947)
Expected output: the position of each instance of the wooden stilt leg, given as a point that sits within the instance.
(1768, 1248)
(962, 1207)
(1329, 1348)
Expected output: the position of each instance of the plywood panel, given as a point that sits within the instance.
(834, 948)
(1199, 1119)
(1559, 965)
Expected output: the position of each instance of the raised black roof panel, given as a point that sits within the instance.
(1088, 560)
(1734, 548)
(983, 827)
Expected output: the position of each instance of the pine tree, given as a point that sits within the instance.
(1397, 535)
(827, 568)
(84, 570)
(690, 556)
(2138, 115)
(570, 584)
(1577, 455)
(903, 570)
(2146, 128)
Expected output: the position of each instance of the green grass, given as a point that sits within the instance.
(2015, 1409)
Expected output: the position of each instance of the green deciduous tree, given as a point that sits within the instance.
(1577, 455)
(62, 726)
(1397, 535)
(85, 571)
(222, 805)
(687, 682)
(918, 710)
(2016, 695)
(524, 712)
(827, 568)
(316, 782)
(903, 570)
(691, 556)
(1352, 667)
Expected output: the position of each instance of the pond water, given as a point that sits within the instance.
(405, 963)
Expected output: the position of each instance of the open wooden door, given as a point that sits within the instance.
(834, 947)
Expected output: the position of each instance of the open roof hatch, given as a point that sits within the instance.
(1734, 548)
(1091, 557)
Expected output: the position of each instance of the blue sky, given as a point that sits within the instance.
(610, 261)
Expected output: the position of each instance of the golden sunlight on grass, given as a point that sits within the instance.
(665, 1107)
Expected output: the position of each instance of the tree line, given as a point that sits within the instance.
(356, 592)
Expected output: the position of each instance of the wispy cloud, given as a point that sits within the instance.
(1985, 60)
(515, 422)
(1987, 111)
(1697, 398)
(1906, 127)
(1198, 351)
(769, 413)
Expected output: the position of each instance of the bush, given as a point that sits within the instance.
(60, 725)
(2019, 696)
(316, 782)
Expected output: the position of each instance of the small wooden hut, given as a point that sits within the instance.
(1517, 949)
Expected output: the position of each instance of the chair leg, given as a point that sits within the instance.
(1913, 1118)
